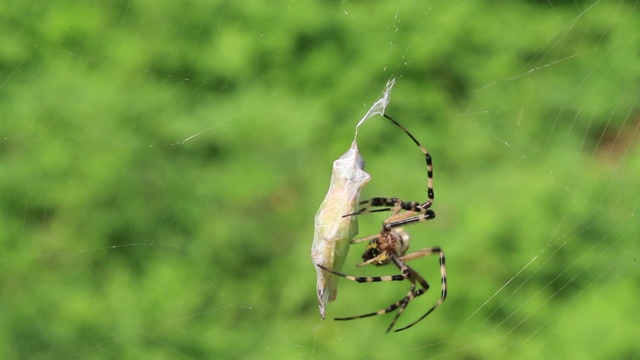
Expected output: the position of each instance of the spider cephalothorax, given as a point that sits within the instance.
(392, 243)
(390, 240)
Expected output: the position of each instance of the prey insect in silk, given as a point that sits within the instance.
(334, 232)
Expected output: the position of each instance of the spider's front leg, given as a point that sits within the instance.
(408, 218)
(387, 204)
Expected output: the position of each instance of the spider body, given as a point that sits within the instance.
(390, 246)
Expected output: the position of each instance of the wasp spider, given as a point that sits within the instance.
(391, 244)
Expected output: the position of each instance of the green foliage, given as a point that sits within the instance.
(163, 161)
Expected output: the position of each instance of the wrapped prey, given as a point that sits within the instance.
(333, 232)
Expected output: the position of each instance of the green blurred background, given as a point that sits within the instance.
(162, 162)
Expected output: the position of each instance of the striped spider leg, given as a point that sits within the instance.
(397, 204)
(391, 244)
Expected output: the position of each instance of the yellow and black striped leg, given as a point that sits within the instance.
(401, 305)
(427, 156)
(367, 279)
(443, 278)
(399, 221)
(388, 204)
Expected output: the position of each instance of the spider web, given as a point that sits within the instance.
(162, 162)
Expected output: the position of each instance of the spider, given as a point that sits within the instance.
(392, 243)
